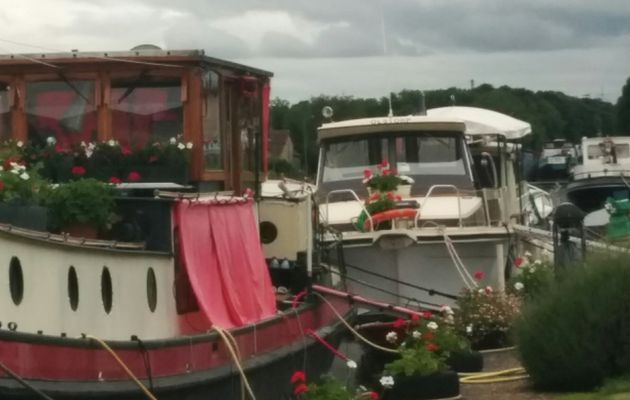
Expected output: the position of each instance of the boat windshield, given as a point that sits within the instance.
(415, 155)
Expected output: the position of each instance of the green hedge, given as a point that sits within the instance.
(578, 333)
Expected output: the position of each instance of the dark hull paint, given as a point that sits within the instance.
(268, 373)
(591, 194)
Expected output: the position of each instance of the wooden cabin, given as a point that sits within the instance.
(141, 96)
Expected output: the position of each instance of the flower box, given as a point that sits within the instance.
(161, 173)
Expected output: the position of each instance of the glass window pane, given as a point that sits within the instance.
(64, 110)
(146, 112)
(5, 112)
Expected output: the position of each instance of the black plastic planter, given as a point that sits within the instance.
(470, 361)
(24, 216)
(440, 385)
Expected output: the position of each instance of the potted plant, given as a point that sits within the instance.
(387, 180)
(328, 388)
(486, 316)
(20, 195)
(82, 207)
(162, 161)
(420, 371)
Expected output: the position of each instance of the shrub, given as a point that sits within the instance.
(532, 278)
(576, 334)
(84, 201)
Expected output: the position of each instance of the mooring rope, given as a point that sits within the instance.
(105, 346)
(232, 346)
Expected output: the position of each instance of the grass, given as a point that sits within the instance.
(614, 389)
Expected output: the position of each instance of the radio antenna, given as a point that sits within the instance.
(389, 83)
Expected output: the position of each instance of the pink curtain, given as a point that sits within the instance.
(222, 254)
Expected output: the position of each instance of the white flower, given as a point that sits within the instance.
(528, 254)
(537, 262)
(173, 140)
(469, 329)
(481, 291)
(532, 269)
(51, 140)
(416, 335)
(24, 176)
(519, 286)
(447, 310)
(387, 382)
(189, 145)
(391, 337)
(432, 325)
(20, 143)
(181, 146)
(111, 142)
(1, 168)
(351, 364)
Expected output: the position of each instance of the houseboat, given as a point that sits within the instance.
(179, 302)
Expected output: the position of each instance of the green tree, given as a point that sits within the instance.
(623, 110)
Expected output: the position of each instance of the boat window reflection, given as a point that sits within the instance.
(64, 110)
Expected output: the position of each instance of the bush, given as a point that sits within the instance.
(576, 334)
(531, 279)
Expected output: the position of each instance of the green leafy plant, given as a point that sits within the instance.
(19, 184)
(532, 277)
(576, 334)
(385, 180)
(174, 152)
(83, 201)
(329, 388)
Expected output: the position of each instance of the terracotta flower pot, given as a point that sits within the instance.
(78, 230)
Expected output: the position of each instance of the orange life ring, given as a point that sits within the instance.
(390, 214)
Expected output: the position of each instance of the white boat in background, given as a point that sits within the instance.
(465, 190)
(603, 173)
(556, 160)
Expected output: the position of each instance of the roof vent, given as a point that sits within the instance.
(146, 47)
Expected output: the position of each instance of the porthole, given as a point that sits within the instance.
(73, 288)
(106, 289)
(268, 232)
(16, 280)
(151, 289)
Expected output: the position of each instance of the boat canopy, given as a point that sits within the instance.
(480, 121)
(410, 123)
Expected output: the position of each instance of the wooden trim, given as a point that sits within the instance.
(236, 140)
(213, 176)
(104, 122)
(18, 115)
(193, 120)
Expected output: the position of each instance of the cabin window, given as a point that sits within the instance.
(73, 288)
(347, 160)
(146, 110)
(430, 155)
(249, 129)
(5, 112)
(16, 280)
(106, 290)
(62, 109)
(212, 142)
(151, 289)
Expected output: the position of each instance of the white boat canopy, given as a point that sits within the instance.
(480, 121)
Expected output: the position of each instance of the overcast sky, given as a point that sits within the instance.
(363, 48)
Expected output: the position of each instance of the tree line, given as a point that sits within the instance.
(551, 114)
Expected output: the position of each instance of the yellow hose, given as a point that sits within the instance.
(506, 375)
(123, 365)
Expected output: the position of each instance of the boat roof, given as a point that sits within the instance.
(600, 139)
(367, 126)
(481, 121)
(150, 54)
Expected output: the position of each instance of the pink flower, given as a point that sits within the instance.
(399, 323)
(153, 158)
(299, 389)
(125, 150)
(298, 376)
(383, 165)
(134, 176)
(367, 174)
(415, 317)
(479, 275)
(115, 180)
(518, 261)
(386, 172)
(1, 186)
(428, 314)
(393, 171)
(78, 170)
(371, 395)
(488, 289)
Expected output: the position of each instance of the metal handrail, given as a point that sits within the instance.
(352, 192)
(605, 172)
(426, 199)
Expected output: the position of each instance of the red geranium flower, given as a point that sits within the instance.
(479, 275)
(518, 261)
(415, 317)
(153, 158)
(299, 389)
(115, 180)
(78, 170)
(383, 165)
(428, 314)
(399, 323)
(298, 376)
(367, 174)
(432, 347)
(371, 395)
(1, 185)
(386, 172)
(125, 150)
(427, 335)
(390, 196)
(134, 176)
